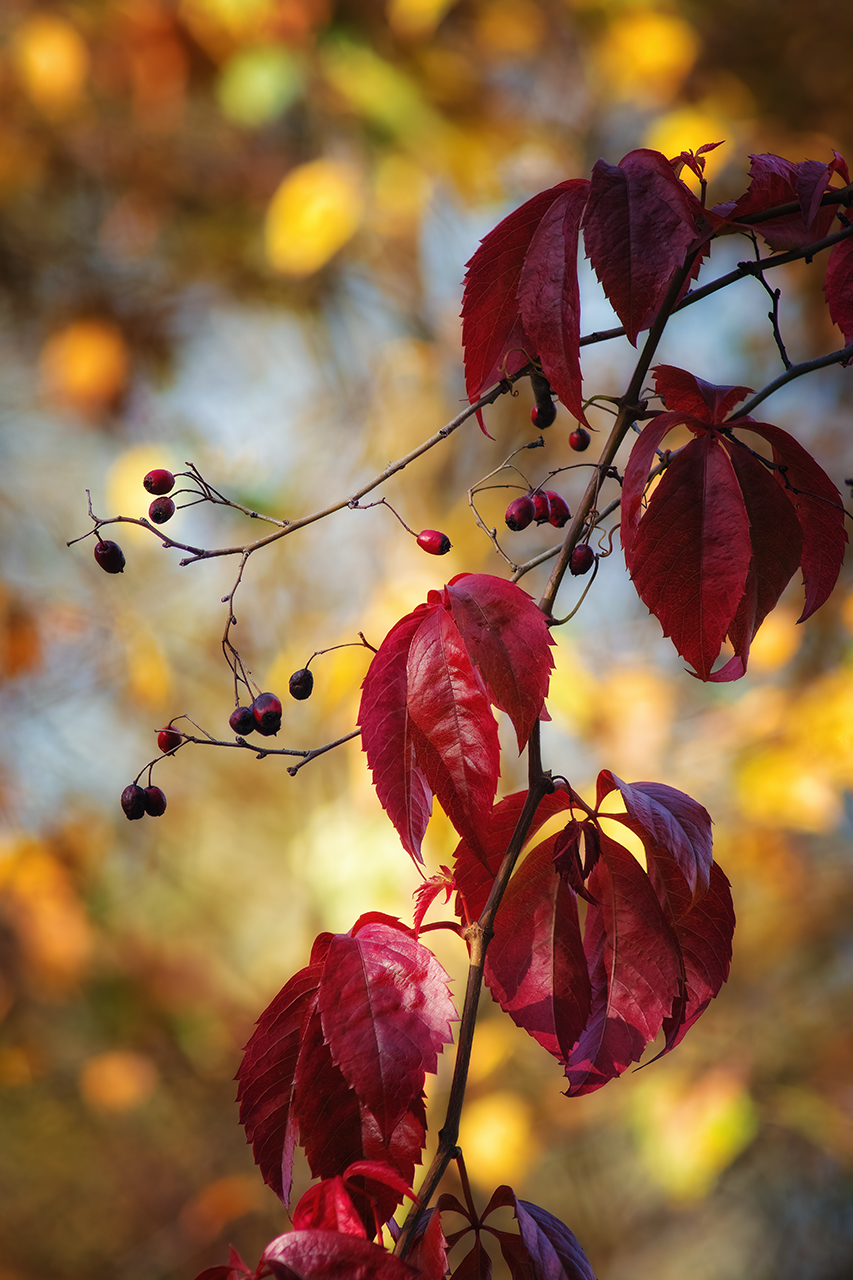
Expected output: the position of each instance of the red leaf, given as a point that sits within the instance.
(428, 1254)
(492, 330)
(426, 894)
(386, 735)
(672, 826)
(535, 965)
(773, 181)
(689, 555)
(685, 393)
(326, 1206)
(474, 877)
(549, 294)
(476, 1265)
(509, 643)
(705, 937)
(386, 1014)
(448, 705)
(838, 287)
(328, 1255)
(818, 507)
(635, 970)
(639, 223)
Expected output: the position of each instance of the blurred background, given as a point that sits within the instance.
(233, 232)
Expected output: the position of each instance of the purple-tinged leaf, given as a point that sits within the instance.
(838, 287)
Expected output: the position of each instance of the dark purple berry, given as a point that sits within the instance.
(543, 414)
(541, 507)
(559, 512)
(155, 802)
(110, 557)
(159, 481)
(579, 440)
(519, 514)
(242, 720)
(267, 712)
(301, 683)
(133, 802)
(168, 739)
(161, 510)
(582, 559)
(433, 541)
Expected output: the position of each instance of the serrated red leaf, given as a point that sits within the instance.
(673, 827)
(386, 1013)
(683, 392)
(639, 223)
(838, 287)
(383, 716)
(427, 893)
(328, 1255)
(428, 1254)
(535, 965)
(474, 873)
(449, 706)
(508, 641)
(327, 1207)
(492, 331)
(818, 507)
(774, 181)
(635, 971)
(690, 553)
(549, 294)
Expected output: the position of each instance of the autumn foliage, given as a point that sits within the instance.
(598, 954)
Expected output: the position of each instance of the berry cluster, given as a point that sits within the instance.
(136, 801)
(263, 716)
(545, 507)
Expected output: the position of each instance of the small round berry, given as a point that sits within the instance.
(159, 481)
(109, 556)
(242, 720)
(301, 684)
(543, 414)
(267, 712)
(559, 513)
(541, 507)
(579, 440)
(520, 513)
(155, 802)
(433, 541)
(582, 559)
(161, 510)
(133, 802)
(168, 739)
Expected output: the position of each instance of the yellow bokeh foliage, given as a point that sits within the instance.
(316, 209)
(52, 60)
(86, 365)
(117, 1080)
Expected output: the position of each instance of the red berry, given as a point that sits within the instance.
(543, 413)
(159, 481)
(582, 559)
(560, 513)
(301, 683)
(519, 514)
(109, 556)
(161, 510)
(267, 712)
(242, 720)
(168, 739)
(541, 507)
(579, 440)
(133, 802)
(436, 543)
(155, 802)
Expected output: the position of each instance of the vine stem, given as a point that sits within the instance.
(477, 935)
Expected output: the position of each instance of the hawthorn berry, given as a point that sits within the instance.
(159, 481)
(579, 440)
(559, 509)
(541, 507)
(161, 510)
(242, 720)
(433, 541)
(543, 413)
(520, 513)
(582, 559)
(168, 739)
(109, 556)
(133, 802)
(155, 802)
(267, 712)
(301, 683)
